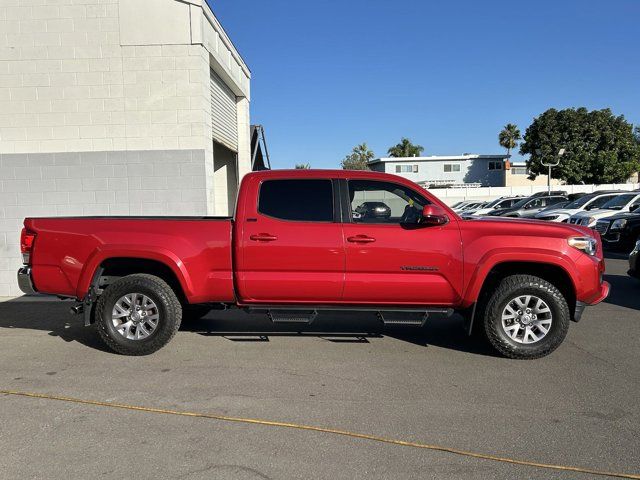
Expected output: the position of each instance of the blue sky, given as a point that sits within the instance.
(327, 75)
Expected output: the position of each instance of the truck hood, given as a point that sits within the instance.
(531, 225)
(598, 213)
(559, 211)
(631, 215)
(499, 211)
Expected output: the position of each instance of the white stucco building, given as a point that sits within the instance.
(117, 107)
(442, 170)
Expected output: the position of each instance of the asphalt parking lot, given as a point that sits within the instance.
(580, 406)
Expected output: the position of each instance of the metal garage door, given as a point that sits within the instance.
(224, 114)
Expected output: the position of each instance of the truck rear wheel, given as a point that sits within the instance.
(138, 314)
(526, 317)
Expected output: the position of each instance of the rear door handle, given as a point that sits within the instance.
(361, 239)
(263, 237)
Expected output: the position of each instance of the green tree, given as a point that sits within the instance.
(302, 166)
(509, 137)
(599, 146)
(405, 149)
(358, 159)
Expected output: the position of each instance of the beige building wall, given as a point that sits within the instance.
(522, 180)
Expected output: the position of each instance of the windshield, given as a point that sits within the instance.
(521, 203)
(619, 202)
(493, 203)
(579, 203)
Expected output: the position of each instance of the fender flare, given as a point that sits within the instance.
(106, 252)
(495, 258)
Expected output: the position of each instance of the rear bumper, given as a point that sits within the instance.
(24, 280)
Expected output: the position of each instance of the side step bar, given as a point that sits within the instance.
(388, 316)
(292, 316)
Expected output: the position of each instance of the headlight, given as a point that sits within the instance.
(618, 224)
(588, 245)
(588, 221)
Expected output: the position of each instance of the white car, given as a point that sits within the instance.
(467, 206)
(621, 203)
(503, 202)
(457, 207)
(587, 203)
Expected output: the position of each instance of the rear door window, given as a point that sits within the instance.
(297, 200)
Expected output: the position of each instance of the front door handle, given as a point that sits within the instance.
(361, 239)
(263, 237)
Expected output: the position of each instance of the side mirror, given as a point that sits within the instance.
(434, 215)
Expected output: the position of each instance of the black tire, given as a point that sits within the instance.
(169, 311)
(511, 287)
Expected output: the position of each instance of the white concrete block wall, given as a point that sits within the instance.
(67, 84)
(93, 183)
(105, 116)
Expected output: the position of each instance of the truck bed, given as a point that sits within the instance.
(69, 250)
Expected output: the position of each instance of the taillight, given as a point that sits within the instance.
(26, 245)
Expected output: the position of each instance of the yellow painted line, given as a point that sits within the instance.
(345, 433)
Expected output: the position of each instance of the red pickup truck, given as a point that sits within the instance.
(308, 240)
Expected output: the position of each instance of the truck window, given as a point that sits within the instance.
(297, 200)
(384, 202)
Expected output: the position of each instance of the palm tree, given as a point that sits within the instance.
(302, 166)
(509, 137)
(405, 149)
(358, 159)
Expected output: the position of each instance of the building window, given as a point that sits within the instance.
(406, 168)
(451, 167)
(519, 171)
(495, 165)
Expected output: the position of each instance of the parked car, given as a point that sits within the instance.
(625, 202)
(529, 207)
(461, 205)
(561, 213)
(553, 193)
(620, 231)
(133, 276)
(470, 206)
(498, 203)
(374, 210)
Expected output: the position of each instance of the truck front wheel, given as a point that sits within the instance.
(526, 317)
(138, 314)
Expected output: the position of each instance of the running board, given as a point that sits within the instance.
(388, 316)
(408, 319)
(292, 316)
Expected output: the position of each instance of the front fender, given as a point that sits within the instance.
(498, 256)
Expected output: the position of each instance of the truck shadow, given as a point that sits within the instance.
(338, 327)
(625, 291)
(51, 316)
(236, 325)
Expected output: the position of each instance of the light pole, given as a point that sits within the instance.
(550, 164)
